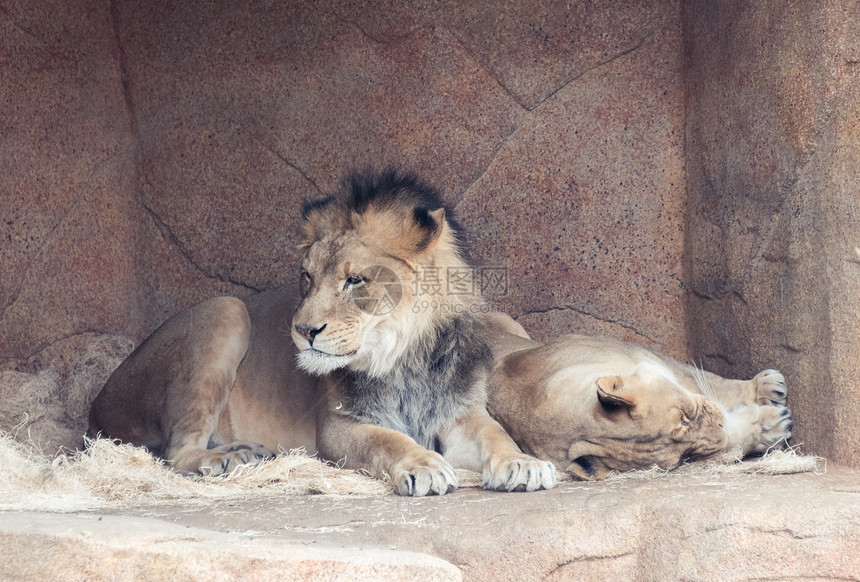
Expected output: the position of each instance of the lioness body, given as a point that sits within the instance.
(595, 404)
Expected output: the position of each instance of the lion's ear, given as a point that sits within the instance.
(421, 229)
(309, 234)
(611, 393)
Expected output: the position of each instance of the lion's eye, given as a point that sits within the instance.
(305, 283)
(354, 281)
(684, 420)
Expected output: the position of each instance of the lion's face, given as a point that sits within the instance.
(594, 404)
(358, 308)
(645, 419)
(354, 305)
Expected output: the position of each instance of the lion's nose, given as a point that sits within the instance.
(308, 332)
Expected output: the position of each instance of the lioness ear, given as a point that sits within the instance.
(588, 469)
(611, 393)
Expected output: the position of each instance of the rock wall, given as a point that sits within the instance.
(81, 255)
(157, 153)
(773, 153)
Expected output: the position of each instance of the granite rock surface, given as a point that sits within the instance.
(682, 175)
(773, 150)
(670, 527)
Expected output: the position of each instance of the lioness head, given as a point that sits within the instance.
(367, 248)
(642, 419)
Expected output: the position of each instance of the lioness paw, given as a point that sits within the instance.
(776, 427)
(227, 458)
(756, 429)
(429, 475)
(770, 387)
(519, 474)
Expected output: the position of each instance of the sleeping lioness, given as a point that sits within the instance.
(597, 404)
(404, 366)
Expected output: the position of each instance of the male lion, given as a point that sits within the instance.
(597, 404)
(403, 391)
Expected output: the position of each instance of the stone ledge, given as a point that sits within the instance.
(43, 546)
(672, 527)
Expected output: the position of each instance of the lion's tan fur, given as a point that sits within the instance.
(216, 386)
(207, 378)
(335, 335)
(340, 240)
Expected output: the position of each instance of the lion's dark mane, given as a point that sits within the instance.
(442, 374)
(433, 384)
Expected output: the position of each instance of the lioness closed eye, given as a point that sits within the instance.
(403, 389)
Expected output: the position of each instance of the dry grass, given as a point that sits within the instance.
(46, 413)
(108, 474)
(49, 409)
(774, 462)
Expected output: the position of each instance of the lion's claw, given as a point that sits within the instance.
(429, 476)
(227, 458)
(521, 474)
(776, 426)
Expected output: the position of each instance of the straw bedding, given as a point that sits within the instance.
(44, 415)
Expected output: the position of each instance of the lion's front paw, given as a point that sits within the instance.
(770, 388)
(425, 474)
(227, 458)
(519, 474)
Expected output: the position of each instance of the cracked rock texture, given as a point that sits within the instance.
(675, 527)
(80, 254)
(605, 158)
(584, 203)
(160, 152)
(773, 154)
